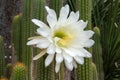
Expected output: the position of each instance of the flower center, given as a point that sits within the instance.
(64, 35)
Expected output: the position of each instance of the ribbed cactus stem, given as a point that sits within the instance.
(25, 32)
(1, 57)
(19, 72)
(16, 36)
(84, 72)
(97, 51)
(95, 74)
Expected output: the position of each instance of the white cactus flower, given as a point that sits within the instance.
(64, 39)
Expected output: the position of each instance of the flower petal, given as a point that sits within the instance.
(43, 43)
(79, 60)
(39, 55)
(39, 23)
(63, 14)
(58, 50)
(87, 54)
(69, 65)
(88, 33)
(89, 43)
(52, 17)
(67, 57)
(74, 52)
(74, 64)
(45, 32)
(59, 58)
(57, 67)
(73, 17)
(82, 24)
(33, 42)
(51, 49)
(49, 59)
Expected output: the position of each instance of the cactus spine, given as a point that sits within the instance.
(97, 51)
(1, 57)
(19, 72)
(84, 72)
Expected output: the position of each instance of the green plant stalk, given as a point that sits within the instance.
(25, 32)
(95, 74)
(84, 72)
(1, 57)
(97, 51)
(19, 72)
(38, 12)
(16, 36)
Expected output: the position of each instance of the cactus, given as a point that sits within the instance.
(19, 72)
(97, 51)
(95, 74)
(24, 28)
(8, 70)
(1, 57)
(16, 35)
(85, 7)
(3, 78)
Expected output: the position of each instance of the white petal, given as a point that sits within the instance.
(74, 52)
(88, 43)
(82, 24)
(58, 49)
(79, 60)
(43, 43)
(33, 42)
(52, 17)
(51, 49)
(45, 32)
(39, 55)
(73, 17)
(39, 23)
(74, 64)
(87, 54)
(67, 57)
(88, 33)
(49, 59)
(57, 67)
(59, 58)
(69, 65)
(64, 13)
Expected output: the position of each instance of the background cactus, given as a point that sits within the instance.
(19, 72)
(95, 73)
(97, 51)
(85, 8)
(2, 63)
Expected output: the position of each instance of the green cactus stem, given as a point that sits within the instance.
(97, 51)
(84, 72)
(1, 57)
(19, 72)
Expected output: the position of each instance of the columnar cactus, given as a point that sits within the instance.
(19, 72)
(23, 29)
(1, 57)
(95, 73)
(16, 36)
(85, 7)
(97, 51)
